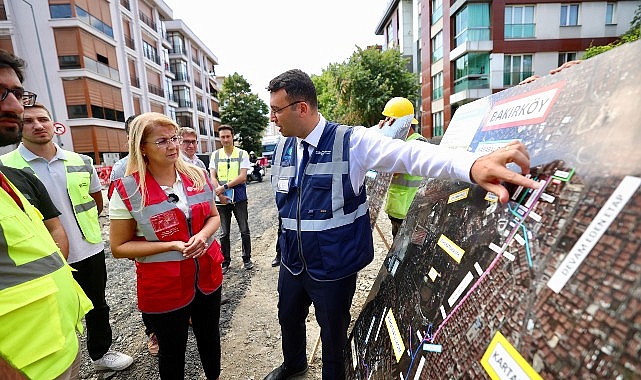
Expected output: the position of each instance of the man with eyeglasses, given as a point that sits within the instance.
(76, 191)
(188, 147)
(318, 176)
(41, 305)
(228, 167)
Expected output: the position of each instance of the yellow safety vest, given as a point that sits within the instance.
(41, 305)
(227, 168)
(402, 190)
(79, 169)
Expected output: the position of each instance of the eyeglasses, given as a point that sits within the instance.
(27, 98)
(279, 110)
(189, 142)
(164, 143)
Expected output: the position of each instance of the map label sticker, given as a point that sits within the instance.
(432, 274)
(460, 288)
(593, 233)
(508, 256)
(394, 335)
(502, 361)
(519, 239)
(534, 216)
(354, 361)
(547, 198)
(478, 268)
(451, 248)
(431, 347)
(495, 248)
(459, 195)
(491, 197)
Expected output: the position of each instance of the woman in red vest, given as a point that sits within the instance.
(163, 216)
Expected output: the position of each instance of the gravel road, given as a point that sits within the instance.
(250, 332)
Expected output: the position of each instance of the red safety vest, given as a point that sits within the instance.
(167, 281)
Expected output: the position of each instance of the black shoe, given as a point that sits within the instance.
(276, 261)
(248, 265)
(284, 373)
(225, 267)
(224, 300)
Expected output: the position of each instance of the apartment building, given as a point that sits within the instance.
(94, 63)
(465, 50)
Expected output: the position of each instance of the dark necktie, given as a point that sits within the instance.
(303, 162)
(9, 190)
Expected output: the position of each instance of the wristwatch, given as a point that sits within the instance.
(225, 186)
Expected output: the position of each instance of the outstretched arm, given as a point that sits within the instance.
(490, 170)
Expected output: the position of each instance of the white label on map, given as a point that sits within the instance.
(433, 274)
(509, 256)
(519, 239)
(505, 366)
(535, 216)
(430, 347)
(561, 174)
(354, 361)
(547, 197)
(478, 268)
(442, 309)
(419, 369)
(495, 248)
(460, 289)
(459, 195)
(593, 233)
(451, 248)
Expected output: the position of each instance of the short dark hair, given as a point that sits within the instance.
(8, 60)
(128, 121)
(226, 127)
(298, 86)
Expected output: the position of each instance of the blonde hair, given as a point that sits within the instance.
(139, 129)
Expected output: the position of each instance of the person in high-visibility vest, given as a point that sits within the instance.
(76, 191)
(163, 216)
(403, 187)
(41, 305)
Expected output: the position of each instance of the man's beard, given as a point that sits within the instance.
(10, 136)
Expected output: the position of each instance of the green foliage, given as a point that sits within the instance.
(355, 92)
(244, 111)
(631, 35)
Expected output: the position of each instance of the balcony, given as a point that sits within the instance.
(184, 103)
(147, 20)
(200, 108)
(101, 69)
(130, 43)
(155, 90)
(125, 3)
(182, 76)
(178, 50)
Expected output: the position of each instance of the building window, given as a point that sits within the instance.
(182, 96)
(60, 11)
(570, 15)
(437, 123)
(471, 71)
(94, 22)
(610, 8)
(566, 57)
(472, 23)
(437, 47)
(390, 35)
(516, 68)
(177, 42)
(150, 52)
(519, 21)
(437, 10)
(69, 62)
(77, 112)
(437, 86)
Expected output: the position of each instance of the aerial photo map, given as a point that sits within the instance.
(547, 286)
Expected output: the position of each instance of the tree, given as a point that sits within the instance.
(244, 111)
(632, 34)
(355, 92)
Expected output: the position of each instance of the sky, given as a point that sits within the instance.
(260, 39)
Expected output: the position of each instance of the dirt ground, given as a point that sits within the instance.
(250, 333)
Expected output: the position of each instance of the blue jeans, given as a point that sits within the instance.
(239, 209)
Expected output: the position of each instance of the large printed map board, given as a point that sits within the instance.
(547, 286)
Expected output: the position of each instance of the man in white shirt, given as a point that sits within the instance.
(188, 147)
(318, 176)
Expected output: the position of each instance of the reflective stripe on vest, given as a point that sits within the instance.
(84, 206)
(336, 168)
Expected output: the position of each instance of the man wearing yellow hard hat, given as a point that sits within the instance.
(403, 187)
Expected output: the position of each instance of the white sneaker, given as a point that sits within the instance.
(115, 361)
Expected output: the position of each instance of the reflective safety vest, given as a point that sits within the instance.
(167, 281)
(228, 168)
(79, 169)
(402, 189)
(41, 305)
(326, 226)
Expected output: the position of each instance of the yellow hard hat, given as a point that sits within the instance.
(399, 107)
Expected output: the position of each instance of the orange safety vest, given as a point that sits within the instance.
(167, 281)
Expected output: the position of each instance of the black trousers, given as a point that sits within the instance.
(332, 301)
(172, 327)
(91, 274)
(239, 209)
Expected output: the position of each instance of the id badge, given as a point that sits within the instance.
(283, 185)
